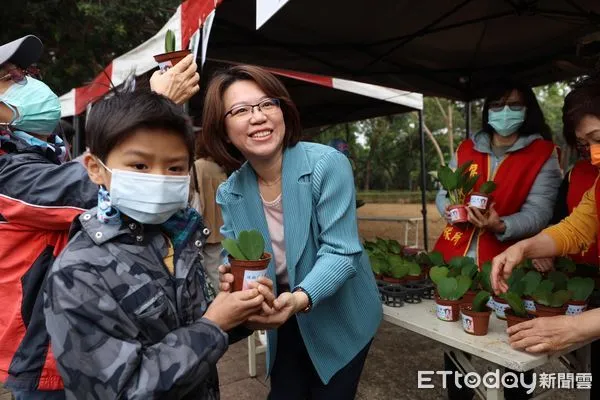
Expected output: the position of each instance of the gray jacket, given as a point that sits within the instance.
(123, 327)
(536, 212)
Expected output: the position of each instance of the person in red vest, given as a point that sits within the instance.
(575, 235)
(514, 149)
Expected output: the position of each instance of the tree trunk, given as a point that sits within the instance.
(435, 144)
(368, 175)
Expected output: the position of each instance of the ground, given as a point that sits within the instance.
(396, 354)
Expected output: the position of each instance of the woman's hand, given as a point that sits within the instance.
(284, 307)
(263, 284)
(489, 220)
(178, 83)
(545, 334)
(543, 264)
(503, 264)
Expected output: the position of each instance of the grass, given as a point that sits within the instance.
(394, 196)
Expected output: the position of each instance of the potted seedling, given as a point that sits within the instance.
(458, 184)
(476, 315)
(170, 57)
(414, 271)
(465, 266)
(581, 289)
(516, 286)
(482, 198)
(532, 280)
(247, 258)
(565, 265)
(517, 312)
(398, 269)
(485, 282)
(450, 293)
(548, 302)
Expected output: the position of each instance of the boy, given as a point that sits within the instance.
(128, 306)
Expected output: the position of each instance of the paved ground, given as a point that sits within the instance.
(390, 372)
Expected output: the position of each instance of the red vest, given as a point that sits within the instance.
(581, 178)
(514, 177)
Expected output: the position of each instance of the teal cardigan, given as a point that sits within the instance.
(323, 250)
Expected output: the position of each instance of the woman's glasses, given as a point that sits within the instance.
(513, 105)
(266, 106)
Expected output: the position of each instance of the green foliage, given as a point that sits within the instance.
(414, 269)
(485, 280)
(564, 264)
(480, 301)
(548, 298)
(436, 258)
(487, 187)
(450, 288)
(581, 288)
(532, 279)
(169, 41)
(459, 183)
(515, 303)
(438, 273)
(386, 258)
(559, 279)
(249, 245)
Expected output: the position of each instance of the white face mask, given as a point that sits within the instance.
(148, 198)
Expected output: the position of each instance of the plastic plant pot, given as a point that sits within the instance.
(512, 319)
(447, 310)
(529, 304)
(474, 322)
(469, 296)
(575, 307)
(168, 60)
(458, 214)
(545, 311)
(245, 271)
(480, 201)
(500, 306)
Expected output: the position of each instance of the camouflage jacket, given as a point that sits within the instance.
(123, 327)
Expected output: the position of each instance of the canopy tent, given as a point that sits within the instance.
(452, 48)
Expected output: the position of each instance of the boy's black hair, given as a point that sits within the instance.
(112, 120)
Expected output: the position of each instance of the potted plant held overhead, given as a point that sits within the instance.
(170, 57)
(476, 315)
(458, 185)
(247, 258)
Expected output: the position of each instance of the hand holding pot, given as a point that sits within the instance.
(229, 310)
(545, 334)
(489, 220)
(503, 265)
(179, 83)
(263, 284)
(543, 264)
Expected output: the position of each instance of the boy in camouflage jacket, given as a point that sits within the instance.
(128, 307)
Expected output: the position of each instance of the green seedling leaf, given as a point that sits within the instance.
(487, 187)
(559, 278)
(515, 277)
(518, 288)
(532, 279)
(469, 270)
(394, 247)
(469, 184)
(463, 284)
(252, 244)
(515, 303)
(169, 41)
(447, 288)
(542, 295)
(581, 288)
(436, 258)
(438, 273)
(414, 269)
(486, 270)
(559, 298)
(463, 168)
(546, 285)
(480, 301)
(565, 264)
(232, 248)
(448, 179)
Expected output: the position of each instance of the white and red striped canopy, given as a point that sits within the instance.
(184, 23)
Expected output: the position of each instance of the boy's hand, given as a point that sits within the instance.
(225, 278)
(285, 306)
(178, 83)
(229, 310)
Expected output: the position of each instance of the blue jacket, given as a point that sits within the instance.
(324, 254)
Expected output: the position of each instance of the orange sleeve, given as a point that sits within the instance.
(577, 232)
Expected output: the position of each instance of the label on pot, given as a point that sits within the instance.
(500, 308)
(444, 312)
(478, 201)
(467, 323)
(575, 309)
(165, 65)
(529, 305)
(491, 304)
(251, 276)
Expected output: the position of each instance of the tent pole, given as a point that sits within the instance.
(423, 182)
(76, 145)
(468, 119)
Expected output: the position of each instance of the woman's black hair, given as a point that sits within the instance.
(534, 117)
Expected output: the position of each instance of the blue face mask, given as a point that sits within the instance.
(507, 121)
(35, 108)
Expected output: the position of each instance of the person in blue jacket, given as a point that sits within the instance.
(301, 197)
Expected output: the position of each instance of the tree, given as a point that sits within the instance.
(81, 37)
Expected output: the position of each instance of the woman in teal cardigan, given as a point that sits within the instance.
(301, 197)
